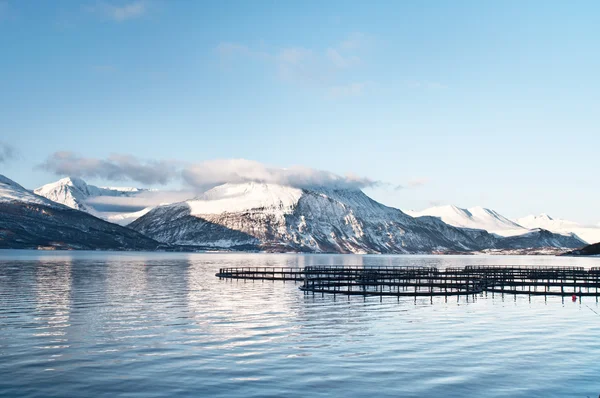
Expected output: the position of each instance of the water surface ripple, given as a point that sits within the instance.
(155, 325)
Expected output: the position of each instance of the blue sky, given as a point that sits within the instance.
(459, 102)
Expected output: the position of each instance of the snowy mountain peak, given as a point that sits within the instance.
(274, 198)
(245, 196)
(73, 181)
(590, 234)
(475, 217)
(69, 191)
(536, 218)
(76, 193)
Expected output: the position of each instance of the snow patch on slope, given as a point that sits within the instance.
(474, 218)
(10, 191)
(233, 198)
(126, 218)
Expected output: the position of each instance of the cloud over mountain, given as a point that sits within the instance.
(114, 168)
(215, 172)
(198, 176)
(141, 200)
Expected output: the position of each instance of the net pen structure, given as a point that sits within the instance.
(430, 281)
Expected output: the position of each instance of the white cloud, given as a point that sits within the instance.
(122, 12)
(294, 55)
(208, 174)
(199, 176)
(141, 200)
(340, 60)
(114, 168)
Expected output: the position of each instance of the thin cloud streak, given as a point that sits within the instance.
(326, 69)
(143, 199)
(417, 182)
(348, 90)
(120, 13)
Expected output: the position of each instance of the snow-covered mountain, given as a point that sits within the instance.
(11, 192)
(76, 194)
(281, 218)
(28, 220)
(590, 234)
(475, 217)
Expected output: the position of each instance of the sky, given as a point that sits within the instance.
(471, 103)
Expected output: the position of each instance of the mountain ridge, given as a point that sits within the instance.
(475, 217)
(589, 234)
(318, 219)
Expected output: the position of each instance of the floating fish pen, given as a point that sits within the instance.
(264, 273)
(389, 281)
(543, 281)
(425, 281)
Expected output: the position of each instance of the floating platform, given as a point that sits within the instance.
(430, 281)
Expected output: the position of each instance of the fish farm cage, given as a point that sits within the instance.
(430, 281)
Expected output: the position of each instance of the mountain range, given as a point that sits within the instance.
(30, 221)
(590, 234)
(493, 222)
(280, 218)
(475, 217)
(258, 216)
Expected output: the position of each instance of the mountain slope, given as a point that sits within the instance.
(76, 193)
(11, 192)
(591, 250)
(31, 221)
(590, 234)
(539, 238)
(475, 217)
(279, 218)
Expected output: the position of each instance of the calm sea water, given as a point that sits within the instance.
(155, 325)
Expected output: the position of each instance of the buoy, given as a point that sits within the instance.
(574, 297)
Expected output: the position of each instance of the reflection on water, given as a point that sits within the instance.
(106, 324)
(52, 309)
